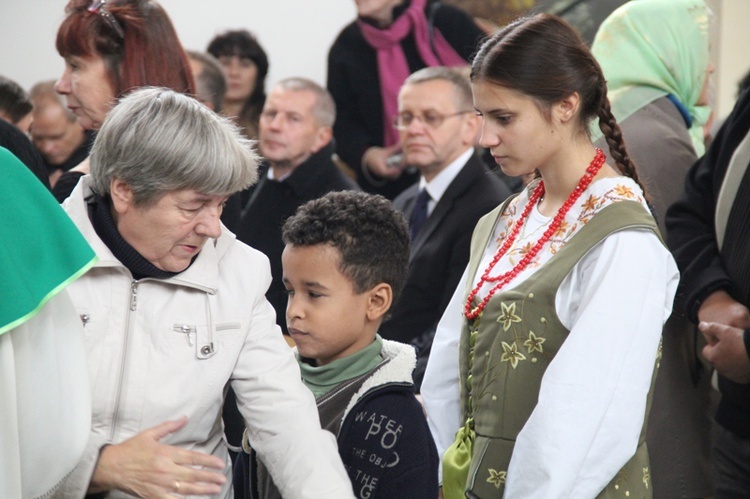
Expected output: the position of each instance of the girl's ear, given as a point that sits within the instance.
(567, 108)
(379, 301)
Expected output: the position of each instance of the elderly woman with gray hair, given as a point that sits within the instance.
(174, 311)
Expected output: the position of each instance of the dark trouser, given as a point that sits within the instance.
(731, 464)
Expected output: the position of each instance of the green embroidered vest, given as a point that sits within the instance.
(505, 352)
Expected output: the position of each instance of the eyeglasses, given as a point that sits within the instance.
(100, 7)
(430, 119)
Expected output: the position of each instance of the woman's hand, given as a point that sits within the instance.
(144, 467)
(375, 160)
(726, 351)
(720, 307)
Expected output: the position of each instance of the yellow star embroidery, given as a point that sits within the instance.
(534, 343)
(497, 478)
(646, 476)
(508, 315)
(511, 354)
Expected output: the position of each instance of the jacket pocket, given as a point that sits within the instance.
(206, 340)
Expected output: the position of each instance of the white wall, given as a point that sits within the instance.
(732, 55)
(296, 34)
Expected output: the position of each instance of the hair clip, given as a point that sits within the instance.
(100, 7)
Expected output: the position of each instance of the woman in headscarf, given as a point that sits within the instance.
(655, 57)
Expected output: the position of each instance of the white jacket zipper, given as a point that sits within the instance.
(124, 358)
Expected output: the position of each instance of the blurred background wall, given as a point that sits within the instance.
(297, 33)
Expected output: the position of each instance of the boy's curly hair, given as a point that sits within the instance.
(371, 235)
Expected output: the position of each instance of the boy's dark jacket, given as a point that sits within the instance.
(383, 439)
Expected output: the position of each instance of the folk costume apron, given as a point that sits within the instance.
(504, 353)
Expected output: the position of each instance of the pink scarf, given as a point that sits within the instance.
(393, 68)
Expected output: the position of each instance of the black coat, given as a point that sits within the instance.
(14, 140)
(440, 253)
(691, 236)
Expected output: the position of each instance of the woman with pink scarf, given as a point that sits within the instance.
(368, 62)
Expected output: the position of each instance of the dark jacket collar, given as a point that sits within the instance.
(305, 178)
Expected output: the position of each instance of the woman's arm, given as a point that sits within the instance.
(592, 401)
(459, 29)
(280, 412)
(691, 230)
(352, 80)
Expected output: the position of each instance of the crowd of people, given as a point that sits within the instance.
(481, 262)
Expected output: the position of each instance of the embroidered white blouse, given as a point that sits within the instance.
(592, 400)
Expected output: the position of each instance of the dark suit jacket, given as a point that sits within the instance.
(440, 252)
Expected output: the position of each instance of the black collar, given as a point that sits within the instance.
(106, 228)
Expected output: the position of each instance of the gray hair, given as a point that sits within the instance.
(324, 109)
(210, 83)
(460, 82)
(157, 141)
(43, 94)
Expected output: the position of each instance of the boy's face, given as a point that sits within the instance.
(326, 318)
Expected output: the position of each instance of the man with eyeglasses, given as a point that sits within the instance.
(438, 127)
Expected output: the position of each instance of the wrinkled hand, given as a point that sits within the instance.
(721, 308)
(375, 160)
(144, 467)
(726, 351)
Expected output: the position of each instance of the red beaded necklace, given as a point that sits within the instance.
(503, 279)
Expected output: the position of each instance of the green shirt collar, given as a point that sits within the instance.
(322, 379)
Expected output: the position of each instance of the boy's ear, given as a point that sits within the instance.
(380, 299)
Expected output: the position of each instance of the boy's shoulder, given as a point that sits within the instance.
(385, 405)
(396, 371)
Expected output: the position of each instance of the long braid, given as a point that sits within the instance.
(613, 135)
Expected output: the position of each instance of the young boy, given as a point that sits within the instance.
(345, 262)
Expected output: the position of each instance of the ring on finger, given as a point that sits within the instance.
(176, 486)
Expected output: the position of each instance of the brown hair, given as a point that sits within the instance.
(544, 58)
(14, 101)
(359, 225)
(245, 45)
(148, 54)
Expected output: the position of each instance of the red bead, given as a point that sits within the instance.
(505, 278)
